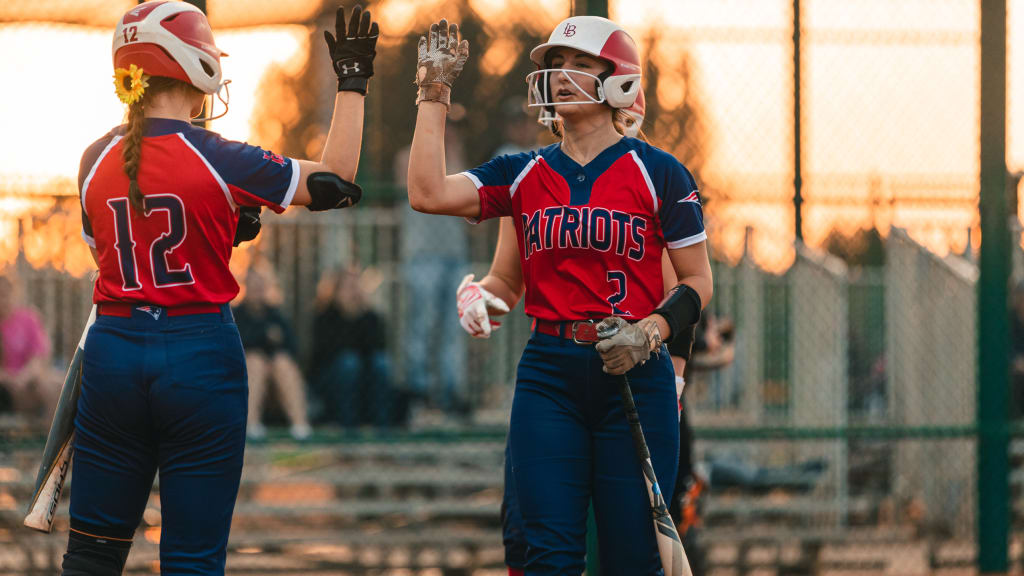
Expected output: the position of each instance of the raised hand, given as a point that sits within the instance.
(440, 60)
(353, 49)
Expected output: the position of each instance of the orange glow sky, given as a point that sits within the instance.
(890, 103)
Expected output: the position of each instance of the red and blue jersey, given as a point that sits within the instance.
(176, 252)
(591, 237)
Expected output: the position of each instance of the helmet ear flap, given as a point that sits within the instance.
(622, 90)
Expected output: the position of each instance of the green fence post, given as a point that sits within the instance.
(993, 323)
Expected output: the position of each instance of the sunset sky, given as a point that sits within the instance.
(890, 100)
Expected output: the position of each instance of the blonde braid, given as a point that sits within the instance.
(132, 153)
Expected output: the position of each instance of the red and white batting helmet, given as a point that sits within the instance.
(603, 39)
(172, 39)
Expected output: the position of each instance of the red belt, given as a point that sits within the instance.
(581, 331)
(124, 309)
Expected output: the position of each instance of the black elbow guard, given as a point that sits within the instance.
(681, 344)
(327, 191)
(681, 309)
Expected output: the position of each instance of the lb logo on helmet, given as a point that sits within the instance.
(569, 30)
(171, 39)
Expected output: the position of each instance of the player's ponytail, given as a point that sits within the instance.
(132, 153)
(621, 119)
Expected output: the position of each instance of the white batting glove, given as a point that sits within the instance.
(475, 306)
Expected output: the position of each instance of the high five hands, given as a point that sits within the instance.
(441, 57)
(353, 49)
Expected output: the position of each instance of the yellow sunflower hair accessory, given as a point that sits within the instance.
(130, 84)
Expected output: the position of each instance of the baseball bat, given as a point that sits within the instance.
(56, 462)
(670, 546)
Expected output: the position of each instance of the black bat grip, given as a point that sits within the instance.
(633, 417)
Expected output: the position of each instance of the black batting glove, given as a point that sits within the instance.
(249, 224)
(353, 51)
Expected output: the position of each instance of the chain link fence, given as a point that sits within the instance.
(837, 436)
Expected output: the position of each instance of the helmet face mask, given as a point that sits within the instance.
(542, 93)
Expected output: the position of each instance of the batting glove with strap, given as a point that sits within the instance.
(476, 304)
(441, 57)
(353, 50)
(629, 344)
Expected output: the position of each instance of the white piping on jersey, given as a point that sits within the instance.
(89, 240)
(292, 186)
(699, 237)
(647, 178)
(216, 176)
(476, 181)
(92, 172)
(515, 183)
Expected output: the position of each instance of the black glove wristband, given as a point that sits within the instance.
(680, 308)
(249, 224)
(353, 84)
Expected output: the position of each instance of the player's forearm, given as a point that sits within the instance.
(427, 168)
(345, 138)
(502, 288)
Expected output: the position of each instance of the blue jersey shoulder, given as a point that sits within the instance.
(92, 155)
(668, 175)
(679, 205)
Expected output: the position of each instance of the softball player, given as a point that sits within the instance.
(593, 214)
(164, 382)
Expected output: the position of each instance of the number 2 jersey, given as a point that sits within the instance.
(591, 237)
(176, 252)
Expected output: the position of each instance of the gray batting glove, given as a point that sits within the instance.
(441, 57)
(629, 346)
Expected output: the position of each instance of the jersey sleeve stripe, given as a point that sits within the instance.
(519, 178)
(695, 239)
(92, 171)
(647, 178)
(216, 176)
(292, 186)
(476, 181)
(88, 239)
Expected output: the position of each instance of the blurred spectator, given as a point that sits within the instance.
(520, 128)
(434, 253)
(269, 353)
(351, 369)
(25, 370)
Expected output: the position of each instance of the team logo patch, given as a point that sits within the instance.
(153, 311)
(275, 158)
(570, 30)
(692, 197)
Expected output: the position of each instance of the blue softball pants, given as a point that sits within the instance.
(570, 442)
(165, 394)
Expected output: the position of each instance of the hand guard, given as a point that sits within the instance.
(440, 61)
(352, 52)
(626, 345)
(249, 224)
(475, 304)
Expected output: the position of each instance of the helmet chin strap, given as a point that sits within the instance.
(226, 102)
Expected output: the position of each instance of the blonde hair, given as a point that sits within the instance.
(131, 152)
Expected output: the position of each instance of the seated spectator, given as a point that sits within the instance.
(351, 366)
(269, 353)
(26, 374)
